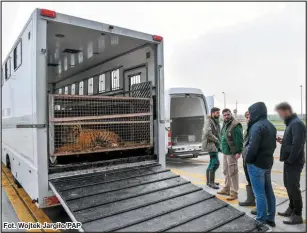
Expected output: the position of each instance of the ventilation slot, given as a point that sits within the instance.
(72, 51)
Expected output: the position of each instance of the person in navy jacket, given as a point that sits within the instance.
(293, 155)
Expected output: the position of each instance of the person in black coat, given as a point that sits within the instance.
(260, 147)
(293, 155)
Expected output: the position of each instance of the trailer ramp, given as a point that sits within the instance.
(146, 199)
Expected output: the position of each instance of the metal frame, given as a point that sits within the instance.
(103, 103)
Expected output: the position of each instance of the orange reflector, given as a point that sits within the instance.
(157, 38)
(48, 13)
(169, 135)
(51, 201)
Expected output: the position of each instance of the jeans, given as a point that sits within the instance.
(263, 191)
(214, 161)
(292, 175)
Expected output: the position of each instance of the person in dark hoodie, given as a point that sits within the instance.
(293, 156)
(259, 158)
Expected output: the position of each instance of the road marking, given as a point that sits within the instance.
(36, 212)
(278, 190)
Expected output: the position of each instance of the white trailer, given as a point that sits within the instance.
(186, 109)
(83, 125)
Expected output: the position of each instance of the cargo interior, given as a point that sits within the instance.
(187, 114)
(87, 63)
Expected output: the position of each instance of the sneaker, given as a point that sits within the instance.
(270, 223)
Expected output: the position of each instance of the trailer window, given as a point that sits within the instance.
(115, 79)
(81, 88)
(90, 87)
(7, 68)
(66, 90)
(18, 55)
(135, 79)
(73, 89)
(102, 83)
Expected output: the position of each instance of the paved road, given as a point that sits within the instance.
(195, 170)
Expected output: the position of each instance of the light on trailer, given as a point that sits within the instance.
(48, 13)
(157, 38)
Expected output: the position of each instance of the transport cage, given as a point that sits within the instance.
(90, 124)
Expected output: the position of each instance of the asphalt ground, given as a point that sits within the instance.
(195, 170)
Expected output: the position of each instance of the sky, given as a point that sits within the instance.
(252, 51)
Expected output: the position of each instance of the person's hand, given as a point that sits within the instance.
(237, 156)
(279, 140)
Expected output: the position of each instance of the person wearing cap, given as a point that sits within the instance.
(211, 143)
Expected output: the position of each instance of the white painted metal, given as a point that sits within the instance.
(25, 92)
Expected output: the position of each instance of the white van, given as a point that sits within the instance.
(186, 109)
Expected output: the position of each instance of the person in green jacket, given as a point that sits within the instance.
(211, 143)
(232, 147)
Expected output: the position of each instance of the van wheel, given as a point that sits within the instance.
(16, 182)
(8, 162)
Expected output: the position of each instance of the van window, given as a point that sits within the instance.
(102, 83)
(7, 68)
(18, 55)
(81, 88)
(115, 80)
(90, 88)
(135, 79)
(73, 89)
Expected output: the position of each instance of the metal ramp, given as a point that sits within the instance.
(146, 199)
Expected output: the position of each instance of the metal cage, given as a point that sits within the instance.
(91, 124)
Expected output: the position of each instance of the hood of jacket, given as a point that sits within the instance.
(257, 112)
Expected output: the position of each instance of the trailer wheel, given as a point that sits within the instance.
(8, 162)
(16, 182)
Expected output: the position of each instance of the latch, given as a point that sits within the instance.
(35, 200)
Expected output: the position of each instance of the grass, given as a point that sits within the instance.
(279, 125)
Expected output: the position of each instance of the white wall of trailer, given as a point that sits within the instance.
(24, 103)
(19, 109)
